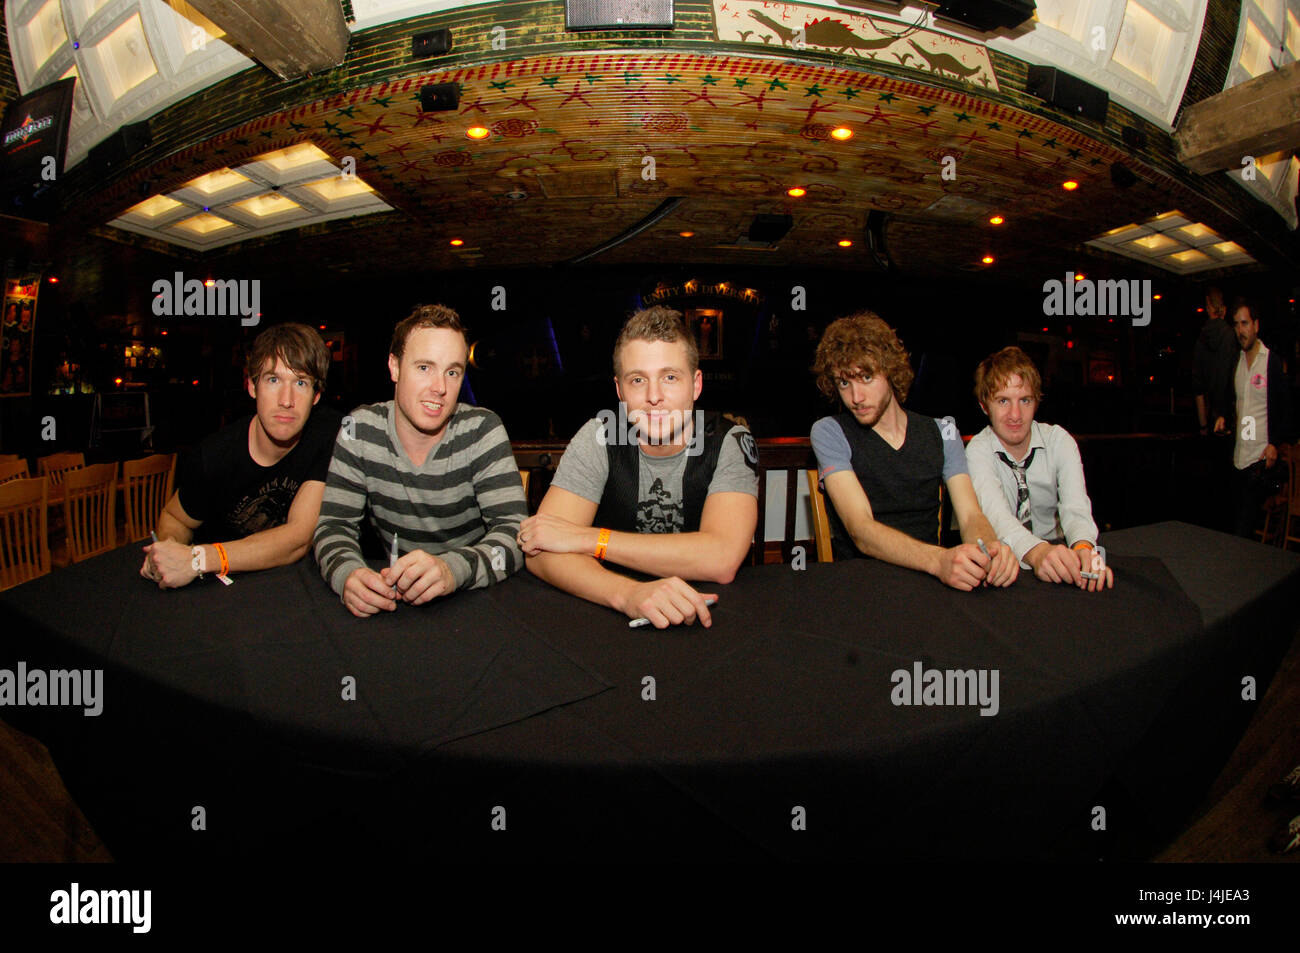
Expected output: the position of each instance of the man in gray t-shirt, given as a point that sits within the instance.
(657, 487)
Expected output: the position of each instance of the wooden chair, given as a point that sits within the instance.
(89, 508)
(821, 524)
(56, 466)
(793, 455)
(24, 531)
(1278, 507)
(8, 457)
(13, 470)
(1291, 454)
(146, 488)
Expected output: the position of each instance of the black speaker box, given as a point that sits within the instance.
(618, 14)
(440, 97)
(1067, 93)
(109, 155)
(424, 45)
(770, 228)
(987, 15)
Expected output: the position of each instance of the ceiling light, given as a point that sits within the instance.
(987, 259)
(478, 132)
(842, 133)
(796, 192)
(1069, 185)
(996, 220)
(845, 243)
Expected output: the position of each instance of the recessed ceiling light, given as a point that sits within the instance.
(845, 243)
(458, 241)
(1069, 185)
(686, 234)
(996, 220)
(478, 132)
(987, 259)
(796, 192)
(842, 133)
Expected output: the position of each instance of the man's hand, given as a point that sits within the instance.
(419, 577)
(1107, 580)
(366, 592)
(1059, 563)
(1270, 456)
(1220, 426)
(667, 602)
(1005, 567)
(169, 563)
(545, 533)
(963, 567)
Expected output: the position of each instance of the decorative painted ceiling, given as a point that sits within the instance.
(582, 147)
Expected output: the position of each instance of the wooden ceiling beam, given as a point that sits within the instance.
(1254, 118)
(288, 37)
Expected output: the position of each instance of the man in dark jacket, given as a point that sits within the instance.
(1215, 358)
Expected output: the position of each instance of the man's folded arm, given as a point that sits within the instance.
(870, 536)
(280, 545)
(712, 555)
(499, 492)
(575, 573)
(342, 507)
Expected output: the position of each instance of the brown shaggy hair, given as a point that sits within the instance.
(862, 341)
(299, 346)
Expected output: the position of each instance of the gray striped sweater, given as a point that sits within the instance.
(463, 505)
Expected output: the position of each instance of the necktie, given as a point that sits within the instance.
(1022, 487)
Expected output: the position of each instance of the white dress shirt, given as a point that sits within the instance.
(1058, 498)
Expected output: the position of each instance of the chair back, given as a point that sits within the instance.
(793, 455)
(821, 524)
(89, 509)
(8, 457)
(13, 470)
(56, 465)
(24, 531)
(146, 487)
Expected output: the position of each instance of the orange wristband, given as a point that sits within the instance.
(225, 561)
(601, 542)
(1081, 544)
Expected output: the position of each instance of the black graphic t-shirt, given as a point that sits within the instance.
(234, 496)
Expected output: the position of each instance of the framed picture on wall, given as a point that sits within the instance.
(706, 325)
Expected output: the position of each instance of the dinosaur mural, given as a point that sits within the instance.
(799, 26)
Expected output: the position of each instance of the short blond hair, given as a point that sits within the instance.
(657, 324)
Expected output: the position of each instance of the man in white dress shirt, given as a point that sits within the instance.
(1029, 477)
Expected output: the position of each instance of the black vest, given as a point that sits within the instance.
(902, 485)
(617, 510)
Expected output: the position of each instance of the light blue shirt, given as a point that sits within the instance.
(1058, 497)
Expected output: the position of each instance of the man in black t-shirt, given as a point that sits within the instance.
(250, 494)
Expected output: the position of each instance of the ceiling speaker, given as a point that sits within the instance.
(618, 14)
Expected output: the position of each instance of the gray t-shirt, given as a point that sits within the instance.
(584, 468)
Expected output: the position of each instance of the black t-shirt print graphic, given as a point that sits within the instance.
(659, 513)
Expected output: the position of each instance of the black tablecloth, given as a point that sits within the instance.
(773, 733)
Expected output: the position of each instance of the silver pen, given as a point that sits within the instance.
(392, 556)
(637, 623)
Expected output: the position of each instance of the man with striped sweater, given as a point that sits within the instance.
(436, 474)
